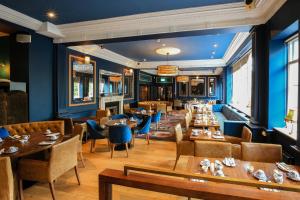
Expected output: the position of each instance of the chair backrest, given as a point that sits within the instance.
(6, 179)
(103, 121)
(119, 134)
(145, 125)
(126, 106)
(69, 128)
(63, 157)
(178, 133)
(187, 121)
(177, 103)
(212, 149)
(78, 130)
(91, 124)
(162, 107)
(120, 116)
(156, 117)
(246, 134)
(102, 113)
(261, 152)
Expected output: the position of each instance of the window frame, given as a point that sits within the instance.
(288, 63)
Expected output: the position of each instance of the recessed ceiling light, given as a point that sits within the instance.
(168, 51)
(163, 45)
(213, 53)
(215, 45)
(212, 57)
(51, 14)
(158, 40)
(145, 59)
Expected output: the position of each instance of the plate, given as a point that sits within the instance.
(293, 178)
(262, 177)
(12, 151)
(284, 167)
(229, 162)
(46, 143)
(53, 134)
(218, 136)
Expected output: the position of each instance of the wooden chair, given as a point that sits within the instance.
(102, 113)
(177, 104)
(246, 137)
(78, 130)
(261, 152)
(183, 147)
(63, 157)
(163, 108)
(6, 179)
(212, 149)
(126, 108)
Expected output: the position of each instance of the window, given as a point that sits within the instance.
(242, 84)
(293, 80)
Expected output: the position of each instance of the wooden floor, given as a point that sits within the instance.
(158, 154)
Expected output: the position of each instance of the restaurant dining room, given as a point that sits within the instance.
(143, 100)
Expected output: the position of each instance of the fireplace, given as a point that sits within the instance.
(113, 102)
(113, 107)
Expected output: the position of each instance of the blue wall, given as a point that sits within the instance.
(40, 78)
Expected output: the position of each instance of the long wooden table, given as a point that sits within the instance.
(191, 164)
(203, 136)
(131, 124)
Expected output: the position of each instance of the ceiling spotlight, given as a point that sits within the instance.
(197, 77)
(163, 45)
(144, 59)
(158, 40)
(213, 53)
(212, 57)
(250, 4)
(215, 45)
(51, 14)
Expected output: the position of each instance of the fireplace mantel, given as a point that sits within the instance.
(104, 100)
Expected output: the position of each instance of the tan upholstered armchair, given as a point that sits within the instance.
(261, 152)
(79, 130)
(182, 147)
(34, 127)
(6, 179)
(63, 157)
(246, 137)
(102, 113)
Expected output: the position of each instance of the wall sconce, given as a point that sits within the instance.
(87, 59)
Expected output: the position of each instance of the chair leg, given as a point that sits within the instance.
(157, 125)
(92, 141)
(77, 175)
(81, 158)
(112, 150)
(126, 145)
(148, 138)
(177, 158)
(133, 139)
(108, 144)
(20, 187)
(51, 185)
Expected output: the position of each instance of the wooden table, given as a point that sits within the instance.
(204, 136)
(31, 147)
(191, 164)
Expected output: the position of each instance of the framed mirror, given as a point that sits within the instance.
(128, 84)
(110, 83)
(82, 81)
(183, 89)
(197, 87)
(212, 82)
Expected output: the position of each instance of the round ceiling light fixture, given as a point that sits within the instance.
(168, 51)
(51, 14)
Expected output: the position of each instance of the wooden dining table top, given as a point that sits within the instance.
(131, 124)
(204, 136)
(191, 164)
(31, 147)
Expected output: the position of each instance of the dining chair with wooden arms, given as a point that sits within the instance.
(6, 179)
(245, 137)
(183, 147)
(212, 149)
(78, 130)
(63, 157)
(261, 152)
(143, 129)
(96, 132)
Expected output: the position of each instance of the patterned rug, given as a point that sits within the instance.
(166, 127)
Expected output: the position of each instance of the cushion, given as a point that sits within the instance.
(3, 133)
(217, 107)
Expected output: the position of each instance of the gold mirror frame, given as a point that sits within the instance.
(81, 59)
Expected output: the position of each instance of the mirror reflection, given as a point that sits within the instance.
(212, 86)
(110, 83)
(82, 81)
(183, 89)
(197, 87)
(128, 84)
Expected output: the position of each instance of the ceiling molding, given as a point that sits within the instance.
(180, 20)
(190, 19)
(237, 41)
(97, 51)
(185, 63)
(50, 30)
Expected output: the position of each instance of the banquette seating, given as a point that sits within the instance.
(230, 120)
(34, 127)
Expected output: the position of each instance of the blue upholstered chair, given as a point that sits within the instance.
(95, 132)
(156, 118)
(143, 128)
(140, 109)
(120, 134)
(121, 116)
(3, 133)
